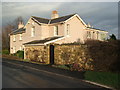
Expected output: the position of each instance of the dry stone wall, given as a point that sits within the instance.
(37, 54)
(73, 54)
(63, 54)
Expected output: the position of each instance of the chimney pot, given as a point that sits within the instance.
(54, 14)
(20, 25)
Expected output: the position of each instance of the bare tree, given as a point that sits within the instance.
(7, 29)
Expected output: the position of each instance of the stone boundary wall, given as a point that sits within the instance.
(63, 54)
(73, 54)
(37, 54)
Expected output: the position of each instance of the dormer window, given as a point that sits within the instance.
(55, 30)
(32, 31)
(14, 38)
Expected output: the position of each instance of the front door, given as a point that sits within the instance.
(51, 54)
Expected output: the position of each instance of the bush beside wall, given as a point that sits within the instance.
(105, 55)
(19, 54)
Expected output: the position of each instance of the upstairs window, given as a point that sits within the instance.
(33, 23)
(55, 30)
(32, 31)
(20, 37)
(14, 38)
(68, 27)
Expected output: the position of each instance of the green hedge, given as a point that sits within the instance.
(105, 55)
(6, 52)
(20, 54)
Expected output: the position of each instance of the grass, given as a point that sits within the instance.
(105, 78)
(62, 67)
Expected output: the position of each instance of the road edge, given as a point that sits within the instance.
(87, 81)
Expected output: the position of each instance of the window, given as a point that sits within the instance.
(20, 36)
(20, 47)
(88, 34)
(33, 23)
(67, 31)
(32, 31)
(55, 30)
(14, 38)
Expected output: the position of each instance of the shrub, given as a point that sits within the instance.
(5, 52)
(20, 54)
(105, 54)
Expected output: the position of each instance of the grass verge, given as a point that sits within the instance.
(105, 78)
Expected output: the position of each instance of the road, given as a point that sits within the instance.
(21, 75)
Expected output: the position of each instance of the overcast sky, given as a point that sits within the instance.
(102, 15)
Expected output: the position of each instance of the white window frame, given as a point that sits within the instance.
(20, 37)
(55, 30)
(32, 31)
(20, 47)
(68, 30)
(33, 23)
(88, 34)
(14, 38)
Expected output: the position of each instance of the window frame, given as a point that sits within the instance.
(20, 37)
(33, 32)
(68, 30)
(55, 30)
(88, 34)
(20, 47)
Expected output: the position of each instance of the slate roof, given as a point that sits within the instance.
(21, 30)
(41, 20)
(60, 19)
(42, 41)
(51, 21)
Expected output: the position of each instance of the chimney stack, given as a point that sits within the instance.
(54, 14)
(20, 25)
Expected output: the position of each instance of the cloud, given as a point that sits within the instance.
(100, 14)
(60, 0)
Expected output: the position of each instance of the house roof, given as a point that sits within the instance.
(60, 19)
(21, 30)
(43, 41)
(95, 29)
(51, 21)
(41, 20)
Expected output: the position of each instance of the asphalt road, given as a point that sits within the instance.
(21, 75)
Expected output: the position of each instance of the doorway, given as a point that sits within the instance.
(51, 54)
